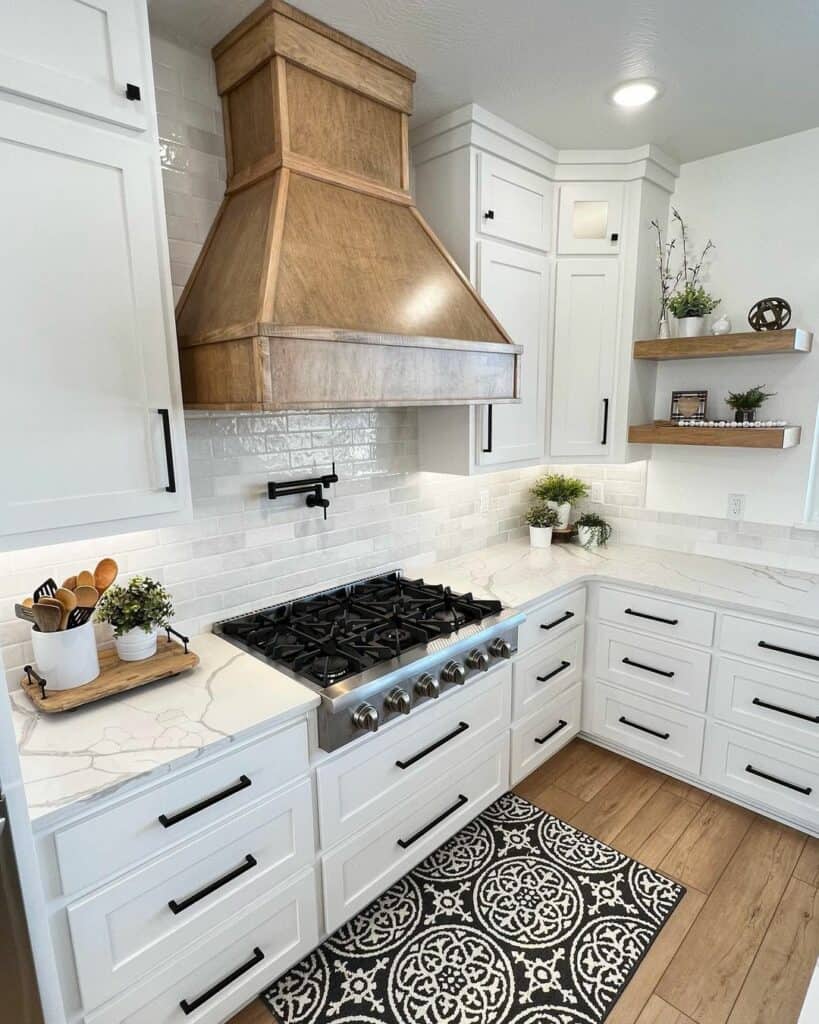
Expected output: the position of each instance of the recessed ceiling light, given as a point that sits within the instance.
(635, 93)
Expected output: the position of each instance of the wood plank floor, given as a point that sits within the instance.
(741, 946)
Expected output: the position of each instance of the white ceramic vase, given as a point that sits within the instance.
(721, 326)
(540, 536)
(690, 326)
(67, 658)
(563, 510)
(587, 537)
(136, 644)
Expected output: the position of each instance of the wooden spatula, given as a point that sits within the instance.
(47, 617)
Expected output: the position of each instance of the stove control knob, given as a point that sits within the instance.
(453, 672)
(365, 717)
(500, 648)
(427, 686)
(478, 659)
(398, 700)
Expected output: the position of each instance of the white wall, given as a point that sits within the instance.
(760, 205)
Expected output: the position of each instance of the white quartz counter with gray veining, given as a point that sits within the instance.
(70, 759)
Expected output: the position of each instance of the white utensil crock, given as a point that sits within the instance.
(540, 536)
(136, 644)
(67, 658)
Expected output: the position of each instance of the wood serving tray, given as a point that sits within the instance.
(115, 676)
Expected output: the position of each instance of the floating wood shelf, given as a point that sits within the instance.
(707, 346)
(666, 432)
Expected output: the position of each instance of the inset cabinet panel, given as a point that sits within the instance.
(514, 204)
(589, 219)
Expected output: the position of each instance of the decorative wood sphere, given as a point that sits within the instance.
(769, 314)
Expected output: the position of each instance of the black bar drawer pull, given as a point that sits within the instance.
(654, 618)
(188, 1008)
(488, 449)
(561, 725)
(563, 618)
(785, 711)
(461, 727)
(166, 820)
(177, 908)
(166, 434)
(806, 790)
(648, 668)
(604, 439)
(788, 650)
(550, 675)
(405, 843)
(644, 728)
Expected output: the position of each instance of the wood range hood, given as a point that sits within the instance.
(320, 285)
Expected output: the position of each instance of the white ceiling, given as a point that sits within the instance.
(735, 72)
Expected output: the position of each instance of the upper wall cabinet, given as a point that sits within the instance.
(82, 55)
(515, 204)
(590, 218)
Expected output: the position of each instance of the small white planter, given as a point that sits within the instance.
(136, 644)
(587, 537)
(540, 536)
(563, 511)
(690, 326)
(67, 658)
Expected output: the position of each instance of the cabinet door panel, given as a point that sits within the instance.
(515, 284)
(585, 340)
(589, 219)
(86, 355)
(77, 54)
(515, 204)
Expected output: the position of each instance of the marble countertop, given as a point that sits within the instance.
(69, 760)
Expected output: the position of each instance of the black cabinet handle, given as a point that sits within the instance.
(563, 618)
(167, 820)
(488, 449)
(550, 675)
(806, 790)
(489, 215)
(405, 843)
(605, 436)
(188, 1008)
(648, 668)
(561, 725)
(644, 728)
(132, 92)
(785, 711)
(654, 618)
(462, 727)
(788, 650)
(166, 433)
(177, 908)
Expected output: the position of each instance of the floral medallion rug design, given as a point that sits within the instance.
(518, 919)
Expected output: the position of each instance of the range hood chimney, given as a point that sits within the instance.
(320, 285)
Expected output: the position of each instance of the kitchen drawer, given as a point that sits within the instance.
(130, 928)
(639, 724)
(794, 649)
(356, 871)
(653, 666)
(131, 831)
(777, 704)
(764, 772)
(538, 737)
(545, 672)
(281, 927)
(552, 619)
(368, 781)
(651, 614)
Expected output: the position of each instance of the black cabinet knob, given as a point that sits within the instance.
(615, 237)
(132, 92)
(489, 215)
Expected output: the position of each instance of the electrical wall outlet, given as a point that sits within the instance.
(596, 493)
(736, 506)
(484, 502)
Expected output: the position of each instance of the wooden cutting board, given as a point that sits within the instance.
(115, 677)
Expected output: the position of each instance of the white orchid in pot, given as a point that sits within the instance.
(136, 612)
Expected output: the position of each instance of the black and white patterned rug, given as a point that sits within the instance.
(518, 919)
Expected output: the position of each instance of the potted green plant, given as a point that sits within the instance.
(541, 519)
(136, 611)
(745, 403)
(592, 530)
(560, 493)
(691, 303)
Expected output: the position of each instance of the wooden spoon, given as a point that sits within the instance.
(47, 617)
(27, 602)
(105, 574)
(70, 583)
(68, 599)
(87, 597)
(85, 579)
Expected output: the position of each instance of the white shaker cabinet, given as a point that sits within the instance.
(87, 56)
(515, 205)
(589, 219)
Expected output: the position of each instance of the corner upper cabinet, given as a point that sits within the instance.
(590, 217)
(514, 204)
(81, 55)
